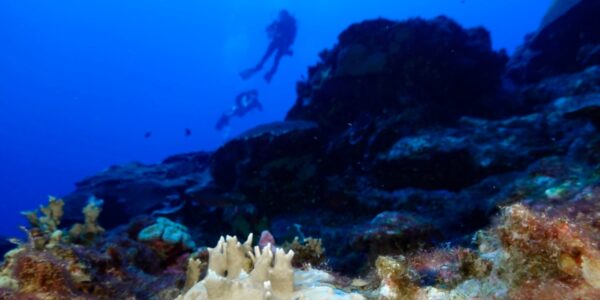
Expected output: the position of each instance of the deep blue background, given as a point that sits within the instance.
(81, 81)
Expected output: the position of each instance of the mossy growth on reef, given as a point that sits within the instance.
(308, 252)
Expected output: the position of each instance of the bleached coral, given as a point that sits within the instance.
(192, 274)
(235, 272)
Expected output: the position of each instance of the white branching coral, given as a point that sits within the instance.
(238, 272)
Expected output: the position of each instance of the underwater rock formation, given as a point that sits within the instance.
(422, 72)
(134, 189)
(568, 43)
(270, 162)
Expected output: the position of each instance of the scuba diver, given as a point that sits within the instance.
(282, 33)
(244, 103)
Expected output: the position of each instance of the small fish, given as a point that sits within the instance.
(267, 239)
(188, 132)
(147, 135)
(16, 241)
(171, 205)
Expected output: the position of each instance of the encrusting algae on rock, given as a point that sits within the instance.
(525, 256)
(545, 256)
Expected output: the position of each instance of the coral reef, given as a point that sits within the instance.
(88, 264)
(376, 158)
(334, 162)
(426, 174)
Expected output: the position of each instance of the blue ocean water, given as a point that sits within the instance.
(81, 82)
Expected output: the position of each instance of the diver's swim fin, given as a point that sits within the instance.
(268, 77)
(247, 73)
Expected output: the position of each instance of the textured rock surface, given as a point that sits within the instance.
(568, 44)
(428, 72)
(271, 163)
(133, 189)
